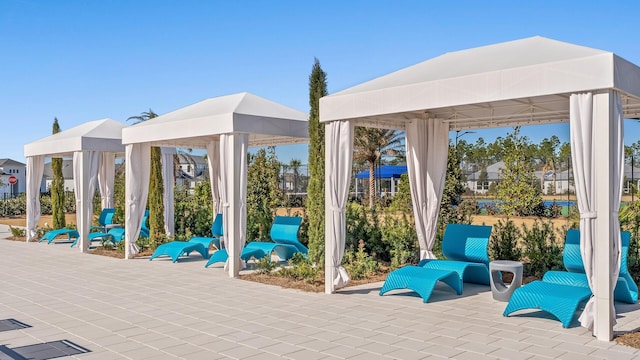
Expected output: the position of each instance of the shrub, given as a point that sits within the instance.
(541, 248)
(399, 235)
(301, 268)
(265, 265)
(504, 241)
(17, 232)
(359, 264)
(363, 225)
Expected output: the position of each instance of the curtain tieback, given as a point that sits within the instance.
(589, 215)
(226, 204)
(336, 209)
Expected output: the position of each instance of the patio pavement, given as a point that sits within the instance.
(138, 309)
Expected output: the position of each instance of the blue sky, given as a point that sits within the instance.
(85, 60)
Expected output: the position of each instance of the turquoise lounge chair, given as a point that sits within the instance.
(105, 220)
(217, 232)
(561, 293)
(175, 249)
(116, 235)
(49, 236)
(285, 243)
(466, 249)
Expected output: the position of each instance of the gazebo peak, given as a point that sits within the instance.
(506, 55)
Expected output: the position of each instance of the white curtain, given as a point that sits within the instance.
(213, 160)
(582, 141)
(106, 178)
(233, 194)
(338, 159)
(85, 178)
(168, 185)
(427, 143)
(35, 168)
(138, 171)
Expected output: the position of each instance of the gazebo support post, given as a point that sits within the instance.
(604, 154)
(83, 219)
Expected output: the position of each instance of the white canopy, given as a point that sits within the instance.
(228, 123)
(93, 146)
(520, 82)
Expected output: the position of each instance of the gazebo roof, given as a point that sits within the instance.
(518, 82)
(98, 135)
(266, 122)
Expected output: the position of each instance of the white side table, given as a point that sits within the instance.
(499, 290)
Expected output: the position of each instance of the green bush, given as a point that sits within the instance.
(541, 248)
(301, 268)
(399, 234)
(363, 225)
(265, 265)
(17, 232)
(359, 264)
(504, 241)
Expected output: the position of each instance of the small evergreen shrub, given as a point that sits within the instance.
(504, 241)
(17, 232)
(359, 264)
(541, 248)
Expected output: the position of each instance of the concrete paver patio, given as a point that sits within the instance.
(140, 309)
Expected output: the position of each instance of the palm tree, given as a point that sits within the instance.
(295, 165)
(156, 188)
(370, 145)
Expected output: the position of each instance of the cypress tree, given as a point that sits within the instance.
(57, 187)
(315, 191)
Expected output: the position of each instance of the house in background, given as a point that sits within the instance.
(190, 170)
(18, 170)
(67, 174)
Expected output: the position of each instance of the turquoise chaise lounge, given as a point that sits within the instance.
(115, 235)
(284, 242)
(561, 293)
(105, 221)
(50, 235)
(175, 249)
(217, 232)
(467, 260)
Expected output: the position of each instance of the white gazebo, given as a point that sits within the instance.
(225, 126)
(524, 82)
(93, 147)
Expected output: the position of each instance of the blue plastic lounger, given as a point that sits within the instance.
(175, 249)
(116, 234)
(562, 292)
(216, 230)
(421, 280)
(222, 255)
(626, 289)
(466, 249)
(105, 220)
(561, 298)
(284, 239)
(49, 236)
(285, 243)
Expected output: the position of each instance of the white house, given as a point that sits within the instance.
(67, 174)
(11, 169)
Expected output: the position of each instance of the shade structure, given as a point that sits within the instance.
(229, 124)
(93, 146)
(521, 82)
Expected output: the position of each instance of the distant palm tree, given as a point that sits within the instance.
(370, 145)
(295, 165)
